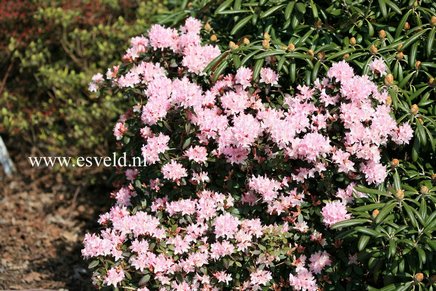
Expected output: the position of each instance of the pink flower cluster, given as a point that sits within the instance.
(229, 170)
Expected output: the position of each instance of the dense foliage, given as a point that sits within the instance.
(49, 51)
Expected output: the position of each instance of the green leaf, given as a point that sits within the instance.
(383, 8)
(415, 37)
(314, 9)
(410, 214)
(271, 10)
(368, 231)
(350, 222)
(186, 144)
(223, 6)
(93, 264)
(301, 7)
(219, 70)
(363, 242)
(241, 23)
(289, 9)
(394, 6)
(403, 21)
(368, 207)
(385, 211)
(257, 67)
(269, 54)
(430, 41)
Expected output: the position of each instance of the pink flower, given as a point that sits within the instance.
(403, 135)
(119, 130)
(114, 276)
(303, 281)
(197, 154)
(318, 261)
(260, 277)
(155, 146)
(223, 277)
(341, 158)
(192, 25)
(375, 173)
(268, 76)
(243, 77)
(174, 171)
(162, 38)
(131, 174)
(226, 226)
(334, 212)
(266, 187)
(341, 71)
(378, 66)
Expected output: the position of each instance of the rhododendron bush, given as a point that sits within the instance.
(244, 179)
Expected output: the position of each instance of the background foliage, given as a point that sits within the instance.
(49, 51)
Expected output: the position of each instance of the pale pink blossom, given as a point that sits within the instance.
(334, 212)
(268, 76)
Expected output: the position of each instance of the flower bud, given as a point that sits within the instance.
(420, 120)
(417, 65)
(400, 56)
(389, 100)
(346, 56)
(433, 177)
(419, 277)
(291, 47)
(311, 53)
(266, 36)
(424, 190)
(414, 109)
(214, 38)
(389, 80)
(395, 163)
(233, 45)
(406, 26)
(353, 41)
(433, 21)
(375, 212)
(382, 34)
(321, 55)
(431, 81)
(373, 49)
(207, 27)
(265, 43)
(399, 194)
(245, 41)
(400, 47)
(318, 24)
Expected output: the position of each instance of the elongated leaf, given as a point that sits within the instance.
(383, 8)
(241, 23)
(363, 242)
(394, 6)
(350, 222)
(385, 211)
(223, 6)
(257, 68)
(430, 41)
(269, 54)
(289, 9)
(271, 10)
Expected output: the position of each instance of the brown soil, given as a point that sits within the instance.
(43, 218)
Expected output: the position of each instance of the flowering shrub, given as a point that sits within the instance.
(244, 179)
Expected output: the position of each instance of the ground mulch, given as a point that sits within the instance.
(43, 218)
